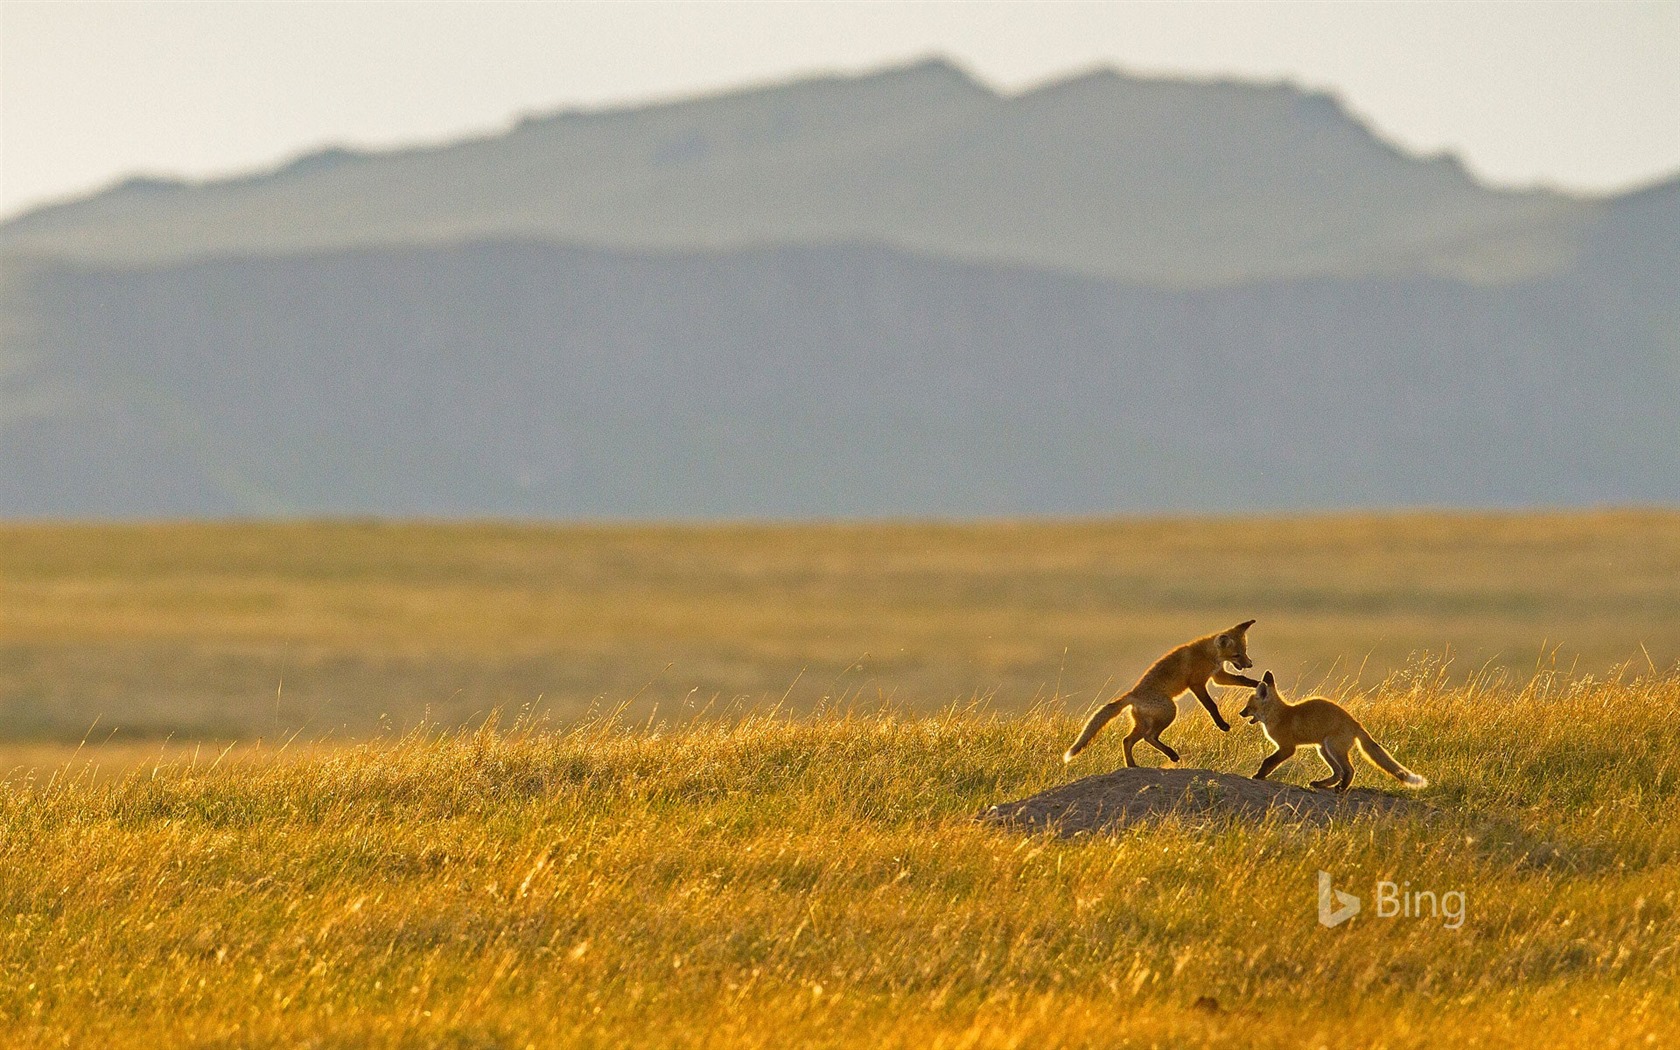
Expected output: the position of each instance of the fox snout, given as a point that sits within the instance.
(1251, 710)
(1241, 663)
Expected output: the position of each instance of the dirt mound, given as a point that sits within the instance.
(1112, 801)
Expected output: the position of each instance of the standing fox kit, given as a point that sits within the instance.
(1322, 724)
(1189, 667)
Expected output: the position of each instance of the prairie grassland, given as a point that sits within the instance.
(819, 881)
(237, 631)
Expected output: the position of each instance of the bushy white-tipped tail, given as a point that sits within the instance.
(1385, 761)
(1103, 715)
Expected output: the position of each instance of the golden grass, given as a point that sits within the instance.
(234, 631)
(709, 875)
(818, 881)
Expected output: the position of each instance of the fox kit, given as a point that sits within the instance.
(1322, 724)
(1191, 666)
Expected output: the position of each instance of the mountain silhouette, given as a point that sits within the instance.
(900, 293)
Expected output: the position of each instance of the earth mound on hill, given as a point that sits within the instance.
(1117, 800)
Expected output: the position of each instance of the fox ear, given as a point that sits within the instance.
(1268, 679)
(1241, 627)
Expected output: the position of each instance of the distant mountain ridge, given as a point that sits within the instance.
(898, 294)
(1158, 181)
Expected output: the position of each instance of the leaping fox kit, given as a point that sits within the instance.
(1322, 724)
(1189, 667)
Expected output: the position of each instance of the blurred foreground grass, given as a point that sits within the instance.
(244, 630)
(818, 881)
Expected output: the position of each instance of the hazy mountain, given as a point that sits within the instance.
(897, 294)
(1160, 181)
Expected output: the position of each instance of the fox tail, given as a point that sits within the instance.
(1385, 761)
(1104, 715)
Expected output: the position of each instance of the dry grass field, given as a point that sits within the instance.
(763, 836)
(820, 881)
(340, 630)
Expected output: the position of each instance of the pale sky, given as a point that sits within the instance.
(1582, 96)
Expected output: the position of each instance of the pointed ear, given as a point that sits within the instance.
(1241, 627)
(1268, 679)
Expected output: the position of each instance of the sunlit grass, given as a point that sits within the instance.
(813, 881)
(246, 630)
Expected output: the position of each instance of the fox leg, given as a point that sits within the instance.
(1335, 769)
(1132, 738)
(1224, 677)
(1200, 689)
(1149, 735)
(1347, 774)
(1274, 760)
(1151, 715)
(1341, 760)
(1154, 740)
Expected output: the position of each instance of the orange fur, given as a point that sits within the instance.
(1319, 723)
(1188, 668)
